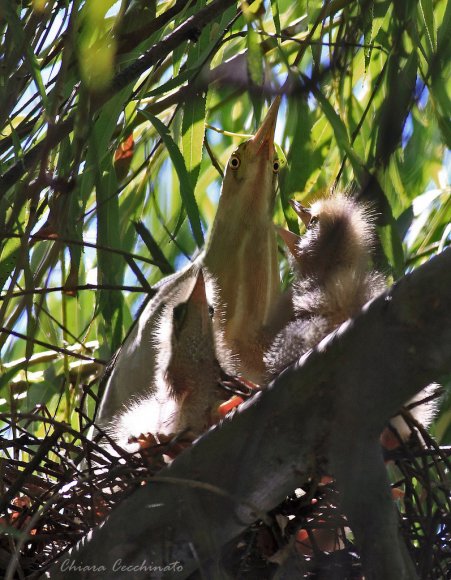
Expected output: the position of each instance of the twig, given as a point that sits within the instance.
(59, 349)
(80, 287)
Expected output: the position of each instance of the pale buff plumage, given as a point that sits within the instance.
(240, 254)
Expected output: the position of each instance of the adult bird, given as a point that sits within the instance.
(240, 255)
(191, 360)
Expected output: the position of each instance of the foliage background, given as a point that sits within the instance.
(111, 168)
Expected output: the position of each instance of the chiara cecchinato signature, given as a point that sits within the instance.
(119, 566)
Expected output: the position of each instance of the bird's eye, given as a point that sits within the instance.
(211, 311)
(312, 223)
(276, 167)
(234, 162)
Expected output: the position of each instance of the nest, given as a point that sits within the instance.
(52, 495)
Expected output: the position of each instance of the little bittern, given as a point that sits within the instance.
(240, 255)
(333, 281)
(333, 277)
(191, 359)
(241, 251)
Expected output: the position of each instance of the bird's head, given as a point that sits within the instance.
(249, 185)
(192, 352)
(339, 234)
(196, 359)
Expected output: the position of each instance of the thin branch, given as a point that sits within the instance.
(80, 287)
(83, 244)
(189, 30)
(213, 159)
(59, 349)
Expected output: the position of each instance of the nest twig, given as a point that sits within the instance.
(57, 484)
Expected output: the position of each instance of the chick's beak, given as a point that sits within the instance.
(198, 301)
(303, 212)
(291, 240)
(263, 140)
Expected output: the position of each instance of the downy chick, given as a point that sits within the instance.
(333, 282)
(333, 279)
(132, 370)
(240, 255)
(190, 362)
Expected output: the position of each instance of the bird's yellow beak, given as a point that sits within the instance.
(303, 212)
(263, 140)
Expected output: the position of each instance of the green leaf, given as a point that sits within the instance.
(110, 268)
(427, 15)
(8, 259)
(401, 77)
(24, 42)
(280, 155)
(341, 135)
(193, 132)
(254, 56)
(155, 251)
(392, 246)
(368, 18)
(186, 188)
(276, 15)
(314, 8)
(173, 83)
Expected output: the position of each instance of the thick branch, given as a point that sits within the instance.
(333, 404)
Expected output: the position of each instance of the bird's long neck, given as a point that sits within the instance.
(243, 260)
(241, 252)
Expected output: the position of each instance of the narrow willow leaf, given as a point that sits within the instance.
(8, 259)
(155, 251)
(30, 58)
(427, 15)
(193, 123)
(341, 135)
(6, 377)
(314, 8)
(193, 133)
(96, 46)
(276, 15)
(254, 56)
(392, 246)
(110, 269)
(280, 155)
(442, 106)
(393, 111)
(174, 82)
(18, 151)
(139, 275)
(186, 189)
(368, 18)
